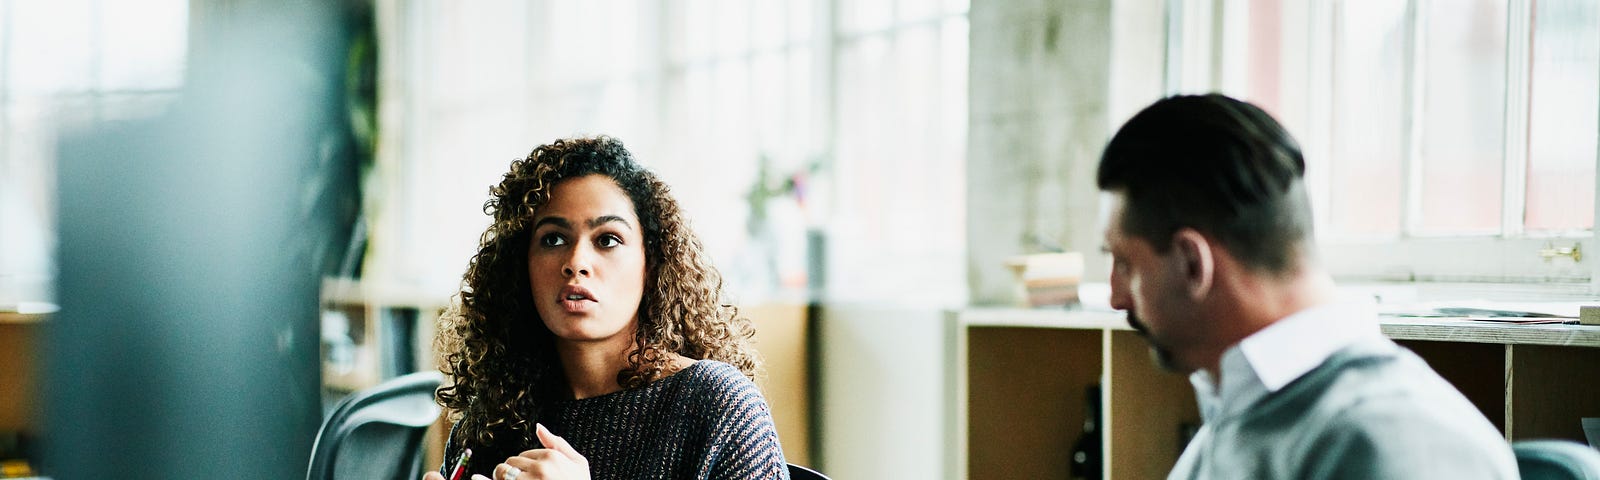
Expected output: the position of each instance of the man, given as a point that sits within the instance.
(1210, 234)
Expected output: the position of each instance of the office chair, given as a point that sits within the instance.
(1556, 460)
(797, 472)
(377, 433)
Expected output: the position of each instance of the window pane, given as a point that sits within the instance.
(865, 15)
(58, 55)
(1265, 55)
(917, 10)
(732, 28)
(610, 46)
(859, 176)
(144, 44)
(1564, 102)
(699, 20)
(799, 131)
(1370, 40)
(799, 20)
(766, 74)
(766, 25)
(1463, 116)
(952, 100)
(956, 6)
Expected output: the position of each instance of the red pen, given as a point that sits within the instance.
(461, 464)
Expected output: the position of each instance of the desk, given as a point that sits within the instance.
(1018, 379)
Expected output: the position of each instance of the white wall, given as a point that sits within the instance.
(881, 392)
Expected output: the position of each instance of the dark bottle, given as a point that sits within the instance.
(1086, 458)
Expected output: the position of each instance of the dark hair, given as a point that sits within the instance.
(501, 378)
(1215, 164)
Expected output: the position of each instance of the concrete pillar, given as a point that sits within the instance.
(1040, 88)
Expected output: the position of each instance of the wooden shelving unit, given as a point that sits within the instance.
(375, 333)
(1019, 378)
(20, 336)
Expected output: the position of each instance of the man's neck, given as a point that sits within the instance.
(1251, 302)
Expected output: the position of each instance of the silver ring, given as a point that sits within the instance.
(512, 473)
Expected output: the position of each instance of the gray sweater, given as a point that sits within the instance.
(707, 421)
(1373, 410)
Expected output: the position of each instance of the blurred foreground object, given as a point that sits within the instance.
(191, 248)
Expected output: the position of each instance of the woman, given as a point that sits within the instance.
(589, 339)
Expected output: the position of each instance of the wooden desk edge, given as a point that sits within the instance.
(1399, 328)
(22, 318)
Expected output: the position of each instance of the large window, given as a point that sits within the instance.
(789, 131)
(1447, 140)
(901, 120)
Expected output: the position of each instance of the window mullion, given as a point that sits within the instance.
(1518, 45)
(1321, 23)
(1171, 83)
(1411, 167)
(5, 103)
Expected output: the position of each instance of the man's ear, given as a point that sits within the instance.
(1199, 266)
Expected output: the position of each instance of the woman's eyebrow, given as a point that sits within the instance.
(596, 222)
(557, 221)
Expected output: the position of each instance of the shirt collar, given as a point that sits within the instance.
(1271, 358)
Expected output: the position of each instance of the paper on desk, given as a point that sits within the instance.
(1484, 309)
(1525, 320)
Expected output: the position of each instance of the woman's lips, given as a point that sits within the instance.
(576, 299)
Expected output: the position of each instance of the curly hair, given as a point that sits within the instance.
(502, 378)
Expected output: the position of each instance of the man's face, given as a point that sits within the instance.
(1151, 287)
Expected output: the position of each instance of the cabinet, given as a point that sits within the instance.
(1018, 379)
(20, 338)
(783, 331)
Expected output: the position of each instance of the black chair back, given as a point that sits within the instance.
(1556, 460)
(384, 422)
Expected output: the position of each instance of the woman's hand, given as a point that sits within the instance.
(558, 462)
(432, 476)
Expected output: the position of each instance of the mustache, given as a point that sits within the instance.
(1158, 353)
(1138, 325)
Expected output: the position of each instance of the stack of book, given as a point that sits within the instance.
(1047, 279)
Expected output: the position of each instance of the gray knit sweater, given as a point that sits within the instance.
(706, 422)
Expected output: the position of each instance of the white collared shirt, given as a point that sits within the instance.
(1273, 357)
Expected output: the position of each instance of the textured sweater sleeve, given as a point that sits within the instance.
(745, 442)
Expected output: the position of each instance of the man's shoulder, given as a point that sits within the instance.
(1381, 404)
(1371, 379)
(1380, 375)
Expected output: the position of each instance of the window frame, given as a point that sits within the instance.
(1199, 38)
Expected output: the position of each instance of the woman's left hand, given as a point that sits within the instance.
(558, 462)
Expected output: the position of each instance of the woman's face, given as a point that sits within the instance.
(586, 262)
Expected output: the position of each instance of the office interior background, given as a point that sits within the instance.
(859, 171)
